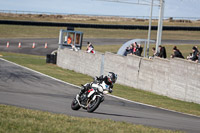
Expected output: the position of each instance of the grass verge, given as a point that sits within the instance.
(18, 120)
(38, 63)
(9, 31)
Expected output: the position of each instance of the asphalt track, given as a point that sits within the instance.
(26, 44)
(28, 89)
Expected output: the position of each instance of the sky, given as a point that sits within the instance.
(173, 8)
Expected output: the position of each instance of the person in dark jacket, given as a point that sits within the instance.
(127, 51)
(134, 48)
(162, 53)
(139, 50)
(198, 60)
(110, 79)
(177, 53)
(194, 54)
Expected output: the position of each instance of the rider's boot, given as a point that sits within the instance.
(81, 91)
(84, 88)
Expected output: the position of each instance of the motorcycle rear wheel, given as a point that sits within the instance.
(75, 105)
(94, 105)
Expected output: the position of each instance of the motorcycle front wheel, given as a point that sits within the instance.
(93, 105)
(75, 105)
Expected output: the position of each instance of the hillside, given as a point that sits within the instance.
(94, 19)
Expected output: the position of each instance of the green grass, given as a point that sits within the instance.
(13, 31)
(18, 120)
(38, 63)
(13, 119)
(16, 31)
(156, 100)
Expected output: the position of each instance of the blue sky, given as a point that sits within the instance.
(173, 8)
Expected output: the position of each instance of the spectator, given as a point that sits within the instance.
(194, 54)
(90, 48)
(128, 50)
(198, 60)
(131, 49)
(139, 50)
(74, 47)
(154, 53)
(69, 40)
(177, 53)
(196, 48)
(134, 47)
(189, 56)
(162, 53)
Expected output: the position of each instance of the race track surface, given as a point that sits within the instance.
(24, 88)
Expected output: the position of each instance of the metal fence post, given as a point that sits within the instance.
(102, 65)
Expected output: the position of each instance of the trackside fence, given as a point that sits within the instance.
(175, 78)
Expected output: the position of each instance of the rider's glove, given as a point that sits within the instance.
(95, 78)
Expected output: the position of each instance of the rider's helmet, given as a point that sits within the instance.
(112, 77)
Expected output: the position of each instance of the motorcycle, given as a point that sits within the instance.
(91, 98)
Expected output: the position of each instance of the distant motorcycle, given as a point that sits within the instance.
(91, 98)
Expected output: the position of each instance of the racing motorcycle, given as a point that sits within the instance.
(92, 96)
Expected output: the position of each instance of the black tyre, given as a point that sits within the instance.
(75, 105)
(94, 105)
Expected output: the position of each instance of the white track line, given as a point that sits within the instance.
(106, 94)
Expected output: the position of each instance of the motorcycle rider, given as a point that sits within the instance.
(109, 80)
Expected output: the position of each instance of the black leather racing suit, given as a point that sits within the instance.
(96, 80)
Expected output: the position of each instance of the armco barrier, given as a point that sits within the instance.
(175, 78)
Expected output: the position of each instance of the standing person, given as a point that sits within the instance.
(74, 47)
(198, 60)
(69, 40)
(196, 48)
(189, 56)
(90, 48)
(127, 51)
(177, 53)
(135, 47)
(154, 53)
(139, 50)
(131, 49)
(162, 53)
(194, 54)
